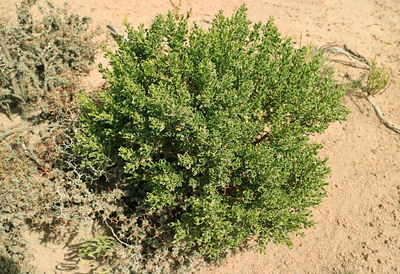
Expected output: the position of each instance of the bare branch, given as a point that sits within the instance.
(356, 59)
(359, 61)
(378, 112)
(116, 33)
(115, 236)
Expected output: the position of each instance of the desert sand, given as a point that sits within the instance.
(358, 224)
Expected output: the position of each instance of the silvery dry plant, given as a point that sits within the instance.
(41, 58)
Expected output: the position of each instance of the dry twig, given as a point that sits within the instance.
(356, 59)
(115, 236)
(116, 33)
(13, 130)
(378, 112)
(359, 61)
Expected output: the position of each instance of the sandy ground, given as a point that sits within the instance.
(359, 222)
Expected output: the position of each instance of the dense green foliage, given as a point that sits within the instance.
(40, 59)
(209, 130)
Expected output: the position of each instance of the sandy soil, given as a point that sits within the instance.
(359, 223)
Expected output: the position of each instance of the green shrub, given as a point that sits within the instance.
(41, 59)
(207, 133)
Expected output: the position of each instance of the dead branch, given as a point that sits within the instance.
(14, 130)
(359, 61)
(356, 54)
(378, 112)
(356, 59)
(116, 33)
(28, 153)
(115, 235)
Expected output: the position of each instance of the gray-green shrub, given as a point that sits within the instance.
(40, 59)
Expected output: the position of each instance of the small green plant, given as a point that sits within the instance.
(208, 138)
(96, 249)
(378, 79)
